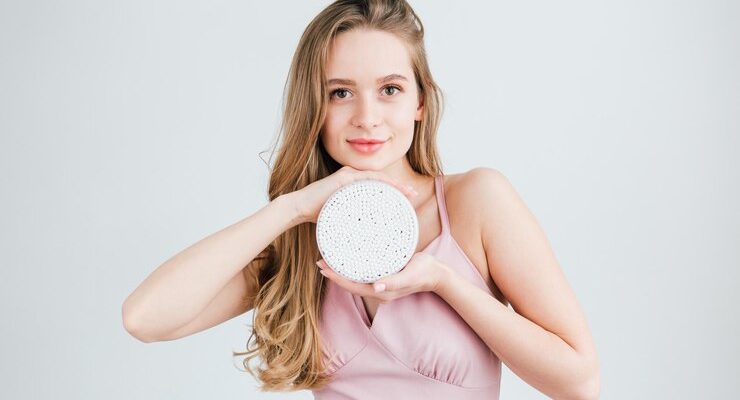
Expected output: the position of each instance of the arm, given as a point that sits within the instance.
(209, 274)
(545, 340)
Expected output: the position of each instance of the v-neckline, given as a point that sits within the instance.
(360, 304)
(357, 299)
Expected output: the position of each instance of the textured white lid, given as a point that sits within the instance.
(367, 230)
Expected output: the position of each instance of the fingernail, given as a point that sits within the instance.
(319, 264)
(379, 287)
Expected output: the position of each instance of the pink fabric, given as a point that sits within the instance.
(416, 347)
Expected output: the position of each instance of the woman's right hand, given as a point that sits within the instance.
(311, 198)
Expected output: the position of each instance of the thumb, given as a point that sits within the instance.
(386, 284)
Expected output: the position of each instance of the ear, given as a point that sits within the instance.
(419, 112)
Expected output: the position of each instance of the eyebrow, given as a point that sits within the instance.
(380, 80)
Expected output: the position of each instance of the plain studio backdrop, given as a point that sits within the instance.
(131, 130)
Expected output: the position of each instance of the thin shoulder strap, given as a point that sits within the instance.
(441, 204)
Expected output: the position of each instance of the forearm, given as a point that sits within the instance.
(539, 357)
(179, 289)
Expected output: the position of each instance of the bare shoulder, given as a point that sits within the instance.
(482, 177)
(494, 204)
(470, 183)
(471, 192)
(467, 195)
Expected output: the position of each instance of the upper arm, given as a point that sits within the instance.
(523, 264)
(234, 299)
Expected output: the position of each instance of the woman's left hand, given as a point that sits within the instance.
(423, 273)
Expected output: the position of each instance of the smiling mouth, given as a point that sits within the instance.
(366, 146)
(366, 141)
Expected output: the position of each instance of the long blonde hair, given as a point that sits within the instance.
(285, 323)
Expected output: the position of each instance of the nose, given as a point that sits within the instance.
(366, 113)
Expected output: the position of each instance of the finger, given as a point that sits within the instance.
(379, 287)
(324, 266)
(407, 190)
(363, 289)
(394, 282)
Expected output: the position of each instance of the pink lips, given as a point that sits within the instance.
(366, 145)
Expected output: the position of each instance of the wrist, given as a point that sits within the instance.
(444, 277)
(289, 204)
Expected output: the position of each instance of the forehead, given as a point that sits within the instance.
(365, 55)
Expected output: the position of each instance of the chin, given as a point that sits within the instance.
(368, 164)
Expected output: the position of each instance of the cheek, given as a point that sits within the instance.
(329, 133)
(403, 141)
(329, 144)
(402, 124)
(404, 115)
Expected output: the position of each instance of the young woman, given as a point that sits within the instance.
(438, 329)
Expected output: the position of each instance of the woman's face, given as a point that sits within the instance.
(369, 99)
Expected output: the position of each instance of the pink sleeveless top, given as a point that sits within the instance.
(417, 346)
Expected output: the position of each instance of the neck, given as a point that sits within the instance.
(401, 172)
